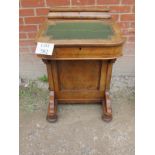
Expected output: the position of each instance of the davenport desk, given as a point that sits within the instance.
(86, 44)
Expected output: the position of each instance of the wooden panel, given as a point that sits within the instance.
(81, 95)
(79, 101)
(79, 75)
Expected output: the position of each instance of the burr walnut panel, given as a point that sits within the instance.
(73, 77)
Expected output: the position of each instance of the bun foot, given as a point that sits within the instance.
(51, 119)
(106, 118)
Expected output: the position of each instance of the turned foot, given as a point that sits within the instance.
(51, 119)
(107, 110)
(52, 109)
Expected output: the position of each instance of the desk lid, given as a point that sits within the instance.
(80, 27)
(79, 30)
(82, 33)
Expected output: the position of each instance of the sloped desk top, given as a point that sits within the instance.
(80, 33)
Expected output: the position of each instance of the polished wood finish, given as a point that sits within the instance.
(79, 71)
(84, 53)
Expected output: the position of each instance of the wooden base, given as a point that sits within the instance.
(52, 109)
(79, 82)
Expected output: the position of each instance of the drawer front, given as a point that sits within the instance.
(87, 52)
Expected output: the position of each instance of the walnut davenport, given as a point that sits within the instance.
(80, 68)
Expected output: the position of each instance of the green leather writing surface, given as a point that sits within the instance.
(79, 30)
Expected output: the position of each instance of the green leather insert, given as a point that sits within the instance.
(79, 30)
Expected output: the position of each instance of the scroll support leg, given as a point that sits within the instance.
(106, 103)
(52, 109)
(52, 106)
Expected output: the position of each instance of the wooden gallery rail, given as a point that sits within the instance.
(86, 44)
